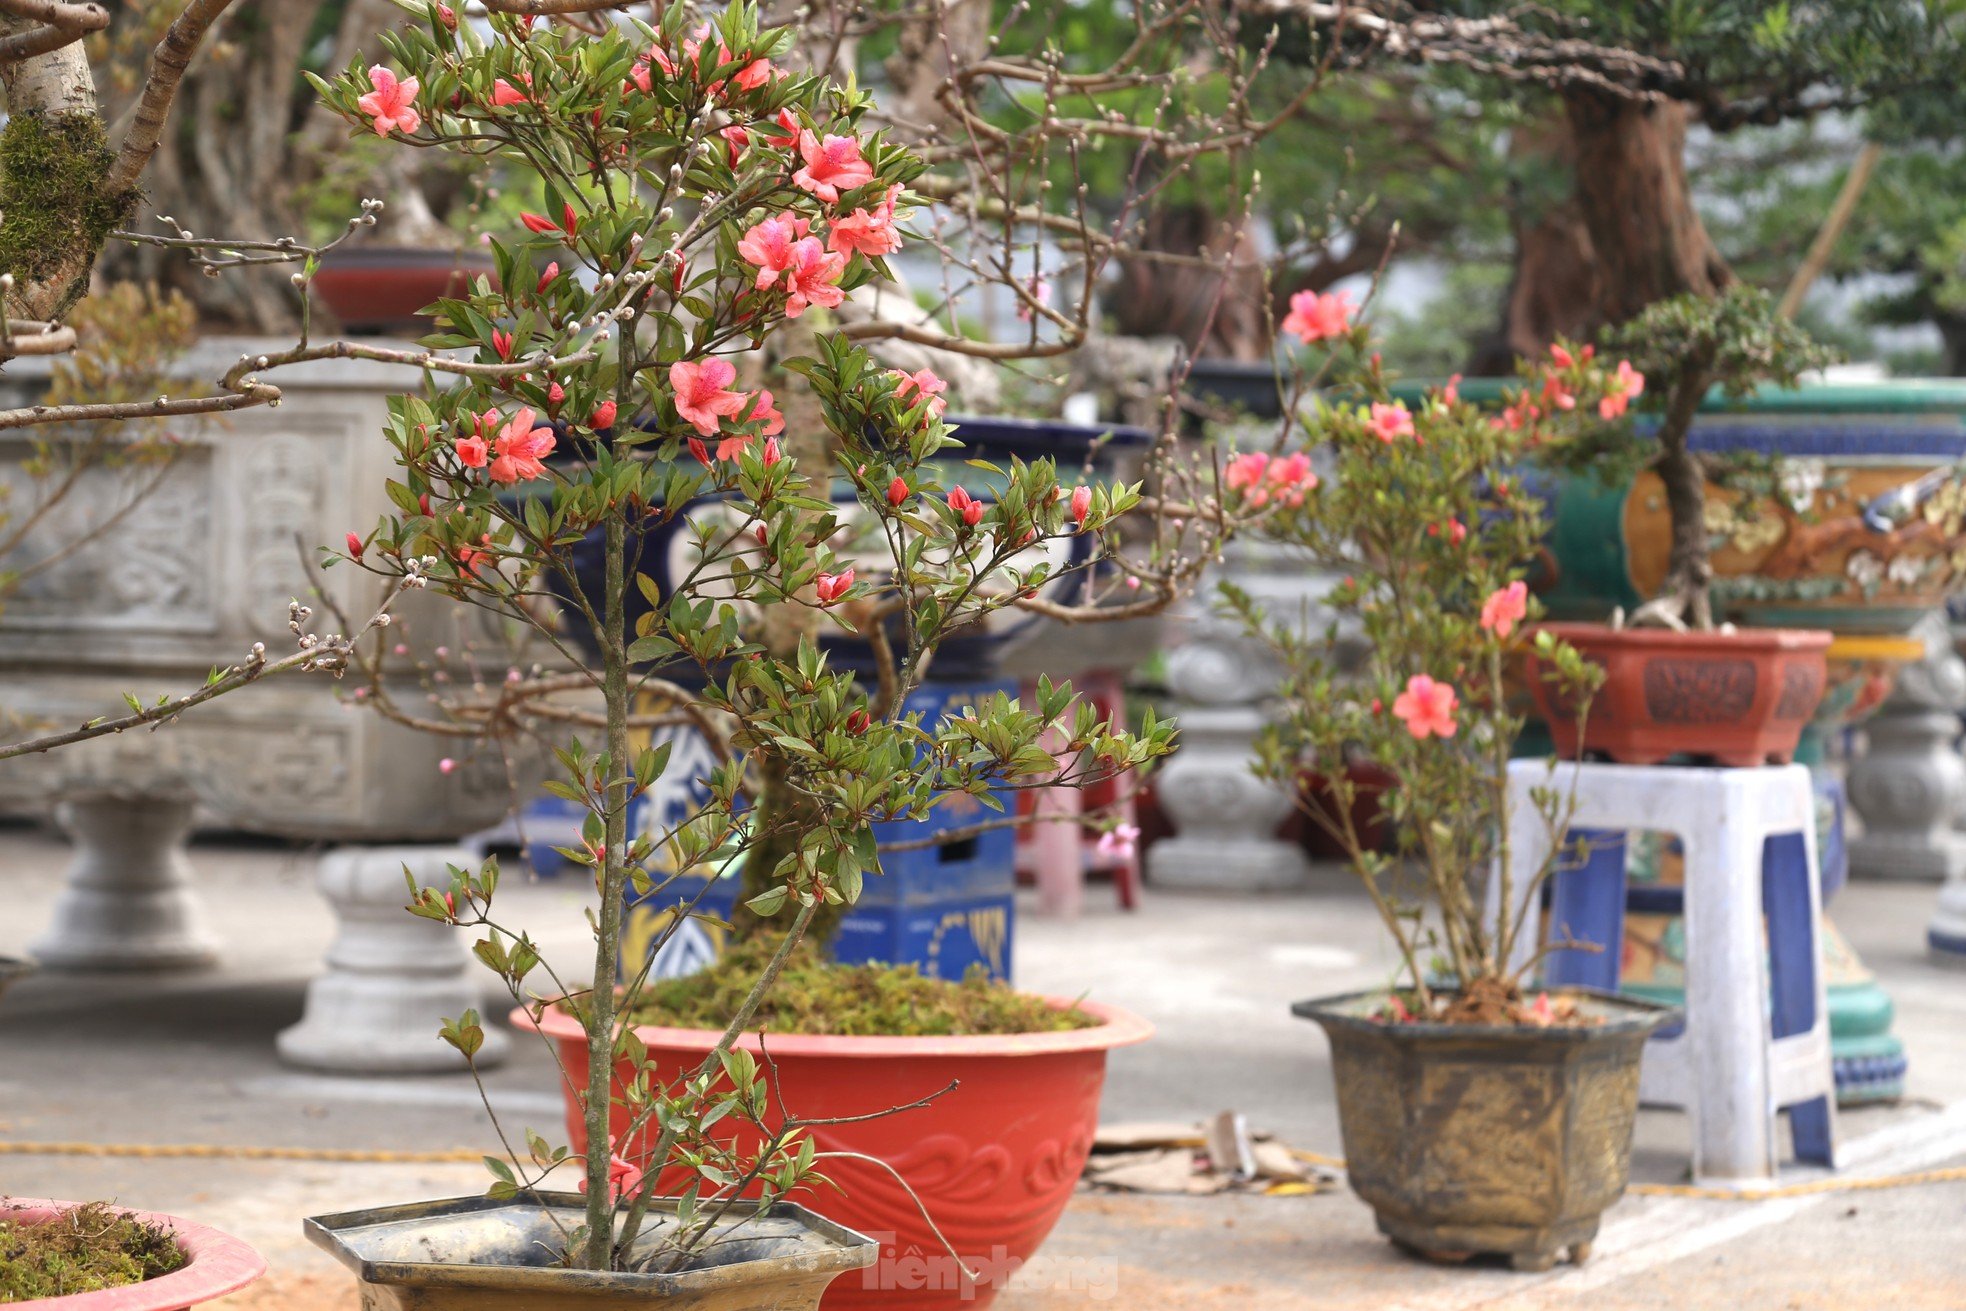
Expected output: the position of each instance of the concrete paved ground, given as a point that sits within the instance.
(189, 1059)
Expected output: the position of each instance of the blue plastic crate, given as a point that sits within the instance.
(931, 907)
(944, 936)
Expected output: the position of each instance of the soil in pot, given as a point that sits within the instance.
(83, 1250)
(994, 1160)
(1469, 1139)
(1739, 698)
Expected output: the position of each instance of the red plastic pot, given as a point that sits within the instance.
(1740, 698)
(385, 288)
(994, 1161)
(219, 1264)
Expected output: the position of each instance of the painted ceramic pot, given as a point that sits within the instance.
(1858, 528)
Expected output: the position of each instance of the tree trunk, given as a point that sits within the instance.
(1646, 236)
(1156, 299)
(1553, 289)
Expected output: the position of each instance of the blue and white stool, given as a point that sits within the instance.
(1756, 1039)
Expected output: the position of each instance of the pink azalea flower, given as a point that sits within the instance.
(1563, 358)
(831, 587)
(623, 1177)
(473, 452)
(869, 232)
(769, 245)
(392, 104)
(1451, 393)
(1245, 474)
(812, 278)
(1505, 608)
(1040, 292)
(788, 124)
(703, 395)
(1627, 385)
(967, 506)
(1081, 503)
(1291, 477)
(1427, 707)
(1118, 843)
(766, 412)
(1315, 317)
(1390, 421)
(738, 139)
(832, 165)
(520, 449)
(922, 384)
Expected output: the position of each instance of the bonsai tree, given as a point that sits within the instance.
(1680, 351)
(695, 198)
(1433, 532)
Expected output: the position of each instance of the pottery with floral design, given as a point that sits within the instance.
(215, 1263)
(1860, 530)
(994, 1160)
(1740, 698)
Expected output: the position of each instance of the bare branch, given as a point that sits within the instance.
(62, 24)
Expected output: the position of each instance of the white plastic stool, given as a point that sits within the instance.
(1756, 1039)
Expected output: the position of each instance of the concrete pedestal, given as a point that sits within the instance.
(392, 978)
(128, 902)
(1911, 782)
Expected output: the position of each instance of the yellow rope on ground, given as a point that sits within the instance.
(455, 1156)
(462, 1156)
(1946, 1175)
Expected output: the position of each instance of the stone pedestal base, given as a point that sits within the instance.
(393, 978)
(128, 903)
(1946, 934)
(1216, 865)
(1907, 787)
(1223, 813)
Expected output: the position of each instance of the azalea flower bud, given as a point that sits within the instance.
(772, 456)
(603, 416)
(1081, 503)
(446, 765)
(897, 491)
(699, 450)
(354, 546)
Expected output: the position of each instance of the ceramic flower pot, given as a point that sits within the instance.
(480, 1254)
(1740, 698)
(384, 289)
(1497, 1139)
(994, 1161)
(217, 1264)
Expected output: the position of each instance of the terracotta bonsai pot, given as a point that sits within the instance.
(1740, 698)
(384, 289)
(218, 1264)
(994, 1161)
(482, 1254)
(1468, 1139)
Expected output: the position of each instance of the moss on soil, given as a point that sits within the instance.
(87, 1249)
(815, 996)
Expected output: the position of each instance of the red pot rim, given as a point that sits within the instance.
(1120, 1028)
(1762, 639)
(218, 1264)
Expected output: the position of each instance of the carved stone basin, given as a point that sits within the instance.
(191, 577)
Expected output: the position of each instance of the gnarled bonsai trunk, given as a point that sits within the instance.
(1646, 238)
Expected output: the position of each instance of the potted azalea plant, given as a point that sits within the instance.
(696, 199)
(1676, 682)
(1461, 1097)
(95, 1257)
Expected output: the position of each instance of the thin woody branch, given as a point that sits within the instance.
(61, 24)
